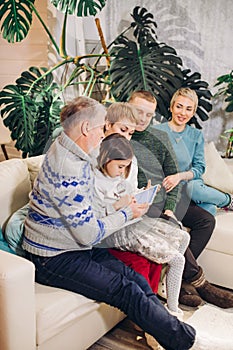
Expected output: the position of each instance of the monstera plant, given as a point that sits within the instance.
(31, 106)
(145, 63)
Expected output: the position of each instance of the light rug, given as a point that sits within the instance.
(215, 323)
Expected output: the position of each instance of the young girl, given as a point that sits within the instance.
(157, 239)
(188, 144)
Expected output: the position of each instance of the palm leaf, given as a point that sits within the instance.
(16, 19)
(79, 8)
(154, 67)
(144, 26)
(31, 110)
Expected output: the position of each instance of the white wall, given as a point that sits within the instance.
(17, 57)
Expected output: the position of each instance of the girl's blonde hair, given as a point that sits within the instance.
(114, 147)
(121, 110)
(185, 92)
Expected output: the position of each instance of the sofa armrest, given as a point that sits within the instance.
(17, 303)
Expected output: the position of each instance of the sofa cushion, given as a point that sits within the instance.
(222, 237)
(217, 174)
(34, 164)
(15, 228)
(14, 187)
(3, 244)
(57, 309)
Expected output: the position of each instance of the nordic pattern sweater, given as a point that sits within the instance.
(62, 215)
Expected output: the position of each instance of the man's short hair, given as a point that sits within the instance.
(146, 95)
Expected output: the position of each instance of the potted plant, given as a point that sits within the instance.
(31, 107)
(225, 89)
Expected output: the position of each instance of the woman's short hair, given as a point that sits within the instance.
(119, 111)
(185, 92)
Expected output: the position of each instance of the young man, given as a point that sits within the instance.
(61, 232)
(156, 160)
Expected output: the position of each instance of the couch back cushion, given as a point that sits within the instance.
(219, 173)
(15, 186)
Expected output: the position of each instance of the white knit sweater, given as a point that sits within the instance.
(61, 216)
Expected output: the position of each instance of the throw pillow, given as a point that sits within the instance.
(3, 244)
(34, 164)
(15, 228)
(217, 174)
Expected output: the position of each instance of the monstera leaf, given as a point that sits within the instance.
(154, 67)
(79, 8)
(16, 17)
(144, 26)
(31, 110)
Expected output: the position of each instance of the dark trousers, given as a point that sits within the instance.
(98, 275)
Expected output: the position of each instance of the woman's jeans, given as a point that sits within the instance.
(98, 275)
(206, 197)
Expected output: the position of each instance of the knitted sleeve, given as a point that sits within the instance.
(156, 160)
(167, 158)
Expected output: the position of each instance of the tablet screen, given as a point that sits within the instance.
(147, 196)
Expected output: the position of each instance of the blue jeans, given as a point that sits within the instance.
(98, 275)
(206, 197)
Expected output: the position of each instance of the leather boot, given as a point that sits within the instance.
(212, 294)
(189, 296)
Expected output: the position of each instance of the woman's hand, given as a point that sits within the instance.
(171, 182)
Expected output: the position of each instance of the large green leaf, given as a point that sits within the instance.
(31, 110)
(154, 67)
(16, 19)
(79, 8)
(144, 26)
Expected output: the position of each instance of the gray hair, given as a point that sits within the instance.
(80, 109)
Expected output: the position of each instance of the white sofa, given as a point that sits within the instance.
(217, 258)
(33, 316)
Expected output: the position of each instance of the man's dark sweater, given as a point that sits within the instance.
(156, 160)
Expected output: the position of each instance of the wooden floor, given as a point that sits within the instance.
(123, 336)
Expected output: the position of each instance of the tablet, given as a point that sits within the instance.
(147, 196)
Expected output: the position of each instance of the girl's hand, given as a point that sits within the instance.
(148, 185)
(139, 209)
(171, 182)
(122, 202)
